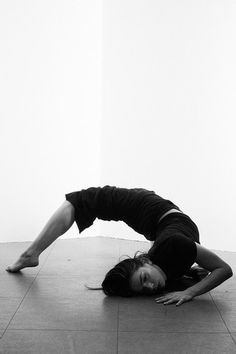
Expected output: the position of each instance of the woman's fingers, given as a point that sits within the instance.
(178, 297)
(180, 302)
(171, 301)
(163, 299)
(159, 299)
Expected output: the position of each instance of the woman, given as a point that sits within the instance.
(176, 242)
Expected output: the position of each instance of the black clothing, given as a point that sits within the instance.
(174, 255)
(138, 208)
(177, 222)
(174, 249)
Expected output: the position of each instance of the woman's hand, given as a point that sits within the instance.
(178, 296)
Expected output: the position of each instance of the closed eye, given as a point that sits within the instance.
(143, 278)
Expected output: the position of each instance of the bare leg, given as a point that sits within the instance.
(56, 226)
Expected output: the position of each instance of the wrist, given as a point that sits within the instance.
(190, 292)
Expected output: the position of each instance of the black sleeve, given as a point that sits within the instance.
(175, 255)
(185, 253)
(185, 247)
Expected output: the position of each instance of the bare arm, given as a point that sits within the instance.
(220, 271)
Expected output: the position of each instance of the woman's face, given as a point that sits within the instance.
(147, 279)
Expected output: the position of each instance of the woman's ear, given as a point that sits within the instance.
(148, 261)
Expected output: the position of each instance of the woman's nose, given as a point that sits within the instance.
(148, 285)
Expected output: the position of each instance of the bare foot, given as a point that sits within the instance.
(23, 262)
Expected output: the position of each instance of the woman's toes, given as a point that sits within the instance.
(23, 262)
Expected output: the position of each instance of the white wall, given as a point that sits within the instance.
(50, 87)
(162, 75)
(169, 108)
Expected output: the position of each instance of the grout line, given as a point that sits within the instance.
(49, 253)
(109, 331)
(34, 278)
(222, 318)
(60, 330)
(177, 332)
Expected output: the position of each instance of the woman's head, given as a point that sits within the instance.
(134, 276)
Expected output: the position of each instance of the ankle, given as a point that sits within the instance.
(30, 254)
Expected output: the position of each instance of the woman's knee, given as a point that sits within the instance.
(68, 212)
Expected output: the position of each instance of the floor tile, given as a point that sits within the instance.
(233, 334)
(58, 342)
(65, 287)
(175, 343)
(8, 307)
(75, 258)
(226, 304)
(87, 247)
(143, 314)
(73, 266)
(89, 311)
(15, 284)
(47, 309)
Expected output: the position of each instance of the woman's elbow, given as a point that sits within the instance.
(229, 271)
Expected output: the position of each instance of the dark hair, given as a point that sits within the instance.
(117, 280)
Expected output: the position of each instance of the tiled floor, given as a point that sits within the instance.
(48, 310)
